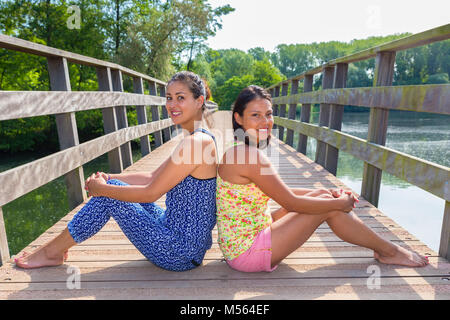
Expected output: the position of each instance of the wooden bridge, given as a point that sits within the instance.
(325, 267)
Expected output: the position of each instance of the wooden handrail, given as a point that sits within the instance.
(409, 42)
(23, 104)
(25, 46)
(434, 98)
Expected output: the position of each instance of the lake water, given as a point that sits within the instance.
(425, 136)
(422, 135)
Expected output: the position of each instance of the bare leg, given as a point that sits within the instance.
(290, 232)
(52, 253)
(293, 229)
(350, 228)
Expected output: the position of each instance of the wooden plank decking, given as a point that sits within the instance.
(325, 267)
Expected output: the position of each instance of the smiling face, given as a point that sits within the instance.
(257, 119)
(181, 105)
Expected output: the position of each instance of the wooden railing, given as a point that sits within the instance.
(63, 103)
(380, 98)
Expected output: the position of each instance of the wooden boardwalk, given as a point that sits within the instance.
(325, 267)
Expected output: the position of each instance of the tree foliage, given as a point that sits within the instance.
(159, 37)
(229, 71)
(145, 35)
(169, 29)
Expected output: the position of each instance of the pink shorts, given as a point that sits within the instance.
(258, 257)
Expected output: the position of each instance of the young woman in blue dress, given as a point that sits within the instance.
(175, 238)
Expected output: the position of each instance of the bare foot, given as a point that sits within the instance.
(39, 258)
(66, 254)
(403, 257)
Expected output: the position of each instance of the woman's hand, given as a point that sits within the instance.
(105, 177)
(94, 182)
(348, 200)
(336, 193)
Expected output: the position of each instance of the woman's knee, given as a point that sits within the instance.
(333, 214)
(279, 213)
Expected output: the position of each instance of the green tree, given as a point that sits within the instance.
(228, 92)
(265, 73)
(232, 62)
(233, 70)
(410, 66)
(439, 78)
(170, 29)
(358, 77)
(201, 67)
(259, 53)
(207, 25)
(292, 60)
(45, 22)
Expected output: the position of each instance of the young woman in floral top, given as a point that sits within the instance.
(254, 239)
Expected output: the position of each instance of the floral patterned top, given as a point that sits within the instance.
(242, 212)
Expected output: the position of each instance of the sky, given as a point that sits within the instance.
(268, 23)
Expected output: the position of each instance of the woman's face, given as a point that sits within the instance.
(257, 119)
(181, 105)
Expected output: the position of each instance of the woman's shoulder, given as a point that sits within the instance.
(197, 138)
(196, 148)
(205, 137)
(243, 154)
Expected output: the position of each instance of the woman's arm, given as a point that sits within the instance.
(177, 167)
(132, 178)
(319, 191)
(267, 179)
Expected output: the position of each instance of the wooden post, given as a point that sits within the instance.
(336, 115)
(324, 115)
(284, 91)
(66, 125)
(444, 246)
(109, 119)
(291, 113)
(275, 107)
(122, 121)
(305, 114)
(138, 87)
(165, 115)
(4, 249)
(378, 120)
(155, 115)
